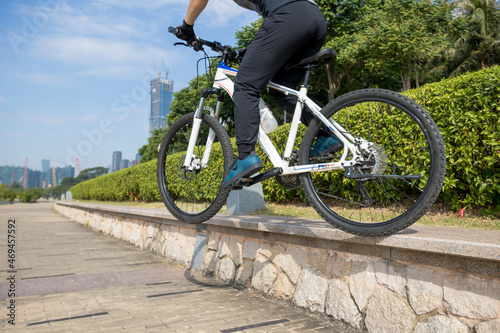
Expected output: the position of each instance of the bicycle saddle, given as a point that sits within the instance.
(318, 60)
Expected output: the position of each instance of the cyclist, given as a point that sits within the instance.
(292, 30)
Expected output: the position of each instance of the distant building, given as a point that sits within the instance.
(117, 158)
(34, 179)
(124, 164)
(161, 100)
(137, 158)
(45, 165)
(68, 172)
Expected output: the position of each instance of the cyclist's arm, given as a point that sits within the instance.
(194, 10)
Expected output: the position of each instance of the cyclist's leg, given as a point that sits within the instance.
(284, 34)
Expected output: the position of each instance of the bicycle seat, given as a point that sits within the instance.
(318, 60)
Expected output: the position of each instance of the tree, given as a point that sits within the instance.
(477, 44)
(91, 173)
(405, 34)
(150, 150)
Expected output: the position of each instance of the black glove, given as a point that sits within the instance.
(241, 53)
(185, 32)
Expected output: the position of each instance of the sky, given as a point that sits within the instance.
(74, 75)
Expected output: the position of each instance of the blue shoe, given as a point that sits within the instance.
(241, 169)
(326, 145)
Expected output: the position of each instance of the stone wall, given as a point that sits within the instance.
(365, 288)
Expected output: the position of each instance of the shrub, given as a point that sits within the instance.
(30, 196)
(465, 108)
(137, 182)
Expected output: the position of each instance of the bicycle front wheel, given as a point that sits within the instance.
(400, 172)
(192, 193)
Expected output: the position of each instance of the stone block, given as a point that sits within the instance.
(283, 287)
(391, 276)
(236, 249)
(311, 290)
(425, 290)
(472, 297)
(293, 261)
(250, 249)
(362, 282)
(441, 324)
(340, 305)
(244, 272)
(492, 326)
(319, 260)
(227, 270)
(388, 312)
(246, 201)
(210, 261)
(264, 274)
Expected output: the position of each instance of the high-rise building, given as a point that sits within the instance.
(124, 164)
(67, 172)
(34, 179)
(161, 100)
(138, 158)
(45, 165)
(117, 158)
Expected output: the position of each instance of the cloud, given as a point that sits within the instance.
(58, 80)
(222, 12)
(31, 117)
(134, 4)
(3, 99)
(85, 51)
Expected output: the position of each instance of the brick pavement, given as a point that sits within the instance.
(69, 278)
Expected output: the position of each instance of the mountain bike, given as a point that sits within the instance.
(387, 174)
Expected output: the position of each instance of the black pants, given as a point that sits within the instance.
(291, 33)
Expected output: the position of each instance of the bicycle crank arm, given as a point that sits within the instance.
(260, 177)
(349, 173)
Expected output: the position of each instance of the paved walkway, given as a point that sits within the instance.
(68, 278)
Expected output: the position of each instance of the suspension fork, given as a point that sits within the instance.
(197, 120)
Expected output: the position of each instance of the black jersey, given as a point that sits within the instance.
(264, 7)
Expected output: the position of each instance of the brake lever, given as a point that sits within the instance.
(179, 43)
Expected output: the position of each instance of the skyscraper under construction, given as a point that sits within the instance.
(161, 99)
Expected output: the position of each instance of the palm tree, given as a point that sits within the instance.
(478, 45)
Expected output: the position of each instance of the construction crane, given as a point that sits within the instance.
(166, 70)
(25, 174)
(54, 180)
(154, 63)
(77, 166)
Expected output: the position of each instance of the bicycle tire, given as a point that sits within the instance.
(194, 196)
(407, 144)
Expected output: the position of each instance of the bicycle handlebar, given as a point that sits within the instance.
(197, 45)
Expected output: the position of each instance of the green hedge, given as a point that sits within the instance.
(466, 110)
(137, 182)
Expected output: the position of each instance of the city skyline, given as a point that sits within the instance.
(75, 76)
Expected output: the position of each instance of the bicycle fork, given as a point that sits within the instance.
(191, 162)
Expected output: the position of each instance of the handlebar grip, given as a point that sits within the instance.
(173, 30)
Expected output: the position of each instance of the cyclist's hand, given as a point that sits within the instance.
(241, 53)
(185, 32)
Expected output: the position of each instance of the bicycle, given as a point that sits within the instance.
(386, 176)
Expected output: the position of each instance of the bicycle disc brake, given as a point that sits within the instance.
(187, 174)
(373, 159)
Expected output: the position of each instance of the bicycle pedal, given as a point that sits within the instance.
(241, 183)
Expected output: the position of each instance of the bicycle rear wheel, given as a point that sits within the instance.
(399, 176)
(193, 195)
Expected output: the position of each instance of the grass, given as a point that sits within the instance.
(438, 216)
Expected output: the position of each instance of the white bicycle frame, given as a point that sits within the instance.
(222, 81)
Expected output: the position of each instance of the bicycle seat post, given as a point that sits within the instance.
(307, 76)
